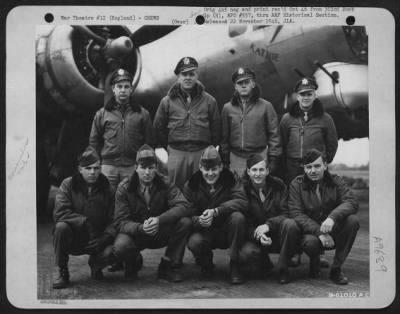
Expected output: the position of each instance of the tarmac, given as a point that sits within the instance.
(148, 287)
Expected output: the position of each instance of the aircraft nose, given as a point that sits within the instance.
(352, 90)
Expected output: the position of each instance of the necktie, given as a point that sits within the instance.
(146, 194)
(305, 116)
(212, 189)
(244, 104)
(262, 196)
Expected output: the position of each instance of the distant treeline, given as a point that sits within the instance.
(355, 176)
(346, 167)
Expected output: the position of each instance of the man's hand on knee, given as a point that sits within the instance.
(327, 241)
(151, 225)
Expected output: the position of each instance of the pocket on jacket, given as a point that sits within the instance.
(135, 132)
(254, 132)
(110, 134)
(175, 123)
(202, 129)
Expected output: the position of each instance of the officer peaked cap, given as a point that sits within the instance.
(186, 64)
(121, 75)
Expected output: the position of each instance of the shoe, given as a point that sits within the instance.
(284, 277)
(132, 268)
(117, 266)
(206, 264)
(295, 261)
(130, 272)
(338, 277)
(323, 261)
(138, 264)
(62, 281)
(96, 266)
(167, 272)
(236, 274)
(315, 268)
(207, 270)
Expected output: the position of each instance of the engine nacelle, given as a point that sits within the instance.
(350, 94)
(64, 60)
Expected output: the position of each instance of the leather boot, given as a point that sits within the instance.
(206, 264)
(95, 268)
(167, 272)
(130, 272)
(284, 276)
(96, 274)
(315, 267)
(236, 274)
(132, 267)
(338, 277)
(62, 281)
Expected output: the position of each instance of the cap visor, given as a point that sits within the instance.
(243, 78)
(305, 90)
(187, 69)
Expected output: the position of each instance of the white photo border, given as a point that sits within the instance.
(21, 171)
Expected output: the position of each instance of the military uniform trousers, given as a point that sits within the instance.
(115, 174)
(172, 236)
(343, 233)
(294, 168)
(285, 241)
(227, 234)
(182, 165)
(73, 242)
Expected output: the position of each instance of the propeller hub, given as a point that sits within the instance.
(118, 48)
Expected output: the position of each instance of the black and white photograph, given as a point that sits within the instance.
(205, 162)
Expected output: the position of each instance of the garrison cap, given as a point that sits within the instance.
(88, 157)
(312, 155)
(146, 156)
(186, 64)
(121, 75)
(242, 74)
(210, 157)
(253, 160)
(305, 84)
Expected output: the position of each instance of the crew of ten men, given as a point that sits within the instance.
(117, 203)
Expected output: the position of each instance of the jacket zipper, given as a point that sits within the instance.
(242, 128)
(301, 139)
(123, 135)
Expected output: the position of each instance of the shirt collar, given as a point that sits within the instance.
(142, 187)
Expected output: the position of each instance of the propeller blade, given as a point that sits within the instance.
(108, 94)
(84, 30)
(149, 33)
(277, 31)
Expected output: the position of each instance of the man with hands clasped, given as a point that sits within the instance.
(150, 212)
(219, 203)
(324, 208)
(269, 230)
